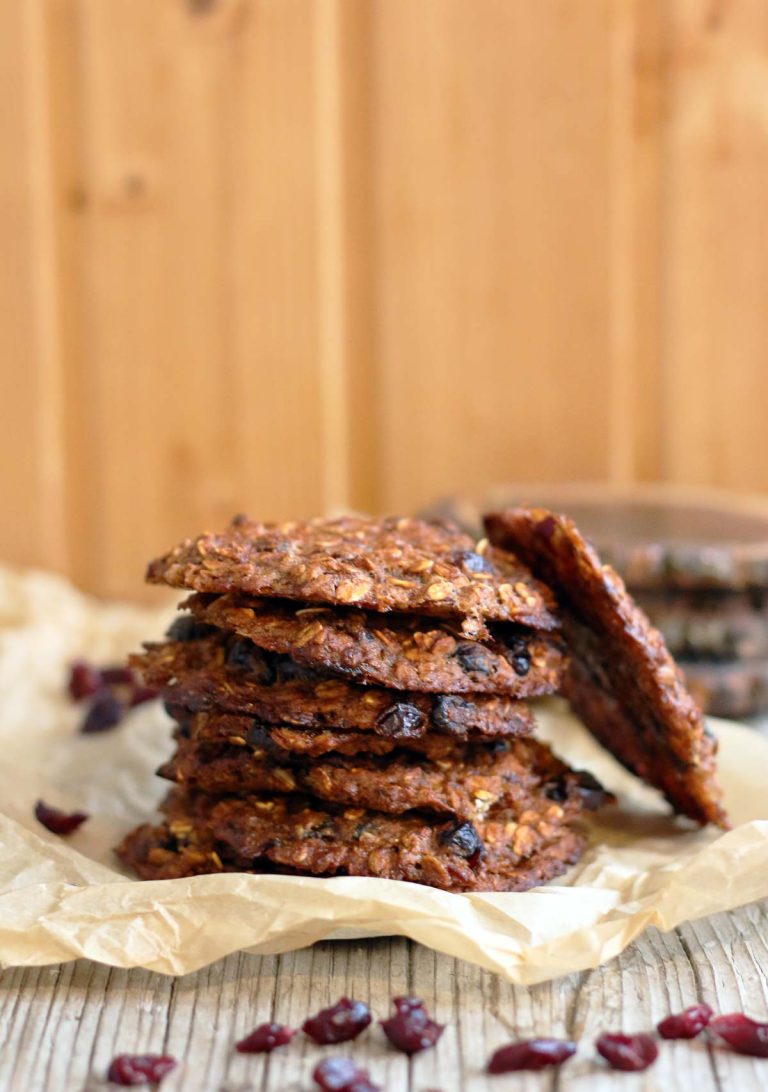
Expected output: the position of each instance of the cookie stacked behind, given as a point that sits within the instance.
(349, 697)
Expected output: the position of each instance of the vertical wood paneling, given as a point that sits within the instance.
(503, 241)
(201, 385)
(286, 256)
(31, 477)
(716, 224)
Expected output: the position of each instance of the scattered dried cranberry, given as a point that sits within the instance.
(531, 1054)
(742, 1034)
(342, 1075)
(342, 1021)
(127, 1069)
(411, 1029)
(143, 694)
(265, 1038)
(58, 822)
(686, 1024)
(84, 680)
(105, 712)
(630, 1053)
(118, 676)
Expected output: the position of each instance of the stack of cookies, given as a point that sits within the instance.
(349, 698)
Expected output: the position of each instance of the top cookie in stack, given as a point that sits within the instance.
(349, 697)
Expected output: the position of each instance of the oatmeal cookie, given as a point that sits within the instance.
(385, 564)
(621, 681)
(213, 727)
(205, 834)
(475, 779)
(401, 651)
(232, 674)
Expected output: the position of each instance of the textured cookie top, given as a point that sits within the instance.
(284, 744)
(382, 564)
(474, 779)
(622, 680)
(226, 672)
(184, 846)
(402, 651)
(496, 853)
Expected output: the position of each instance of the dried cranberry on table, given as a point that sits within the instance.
(686, 1024)
(142, 694)
(118, 675)
(342, 1075)
(84, 680)
(131, 1069)
(630, 1053)
(57, 821)
(104, 713)
(265, 1038)
(741, 1033)
(339, 1023)
(111, 690)
(411, 1029)
(531, 1054)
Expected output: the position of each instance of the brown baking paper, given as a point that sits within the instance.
(61, 899)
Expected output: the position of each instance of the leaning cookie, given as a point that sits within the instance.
(622, 681)
(381, 564)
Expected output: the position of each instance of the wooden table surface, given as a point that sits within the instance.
(60, 1026)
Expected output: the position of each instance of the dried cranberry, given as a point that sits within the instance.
(342, 1021)
(516, 649)
(742, 1034)
(546, 527)
(591, 792)
(630, 1053)
(464, 840)
(187, 628)
(449, 714)
(402, 720)
(474, 658)
(84, 680)
(118, 676)
(686, 1024)
(242, 655)
(142, 694)
(531, 1054)
(265, 1038)
(127, 1069)
(59, 822)
(342, 1075)
(104, 713)
(521, 662)
(411, 1029)
(472, 562)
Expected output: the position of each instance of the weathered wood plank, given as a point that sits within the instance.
(60, 1026)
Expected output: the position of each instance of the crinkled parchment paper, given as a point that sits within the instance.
(65, 898)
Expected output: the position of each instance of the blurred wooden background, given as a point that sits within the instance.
(292, 255)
